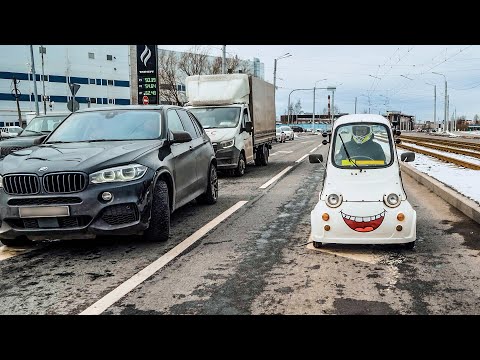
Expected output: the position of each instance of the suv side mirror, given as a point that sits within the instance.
(315, 158)
(248, 127)
(180, 137)
(407, 156)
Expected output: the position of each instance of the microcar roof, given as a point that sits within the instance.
(355, 118)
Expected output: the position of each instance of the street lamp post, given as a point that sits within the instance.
(43, 51)
(288, 118)
(434, 105)
(445, 107)
(313, 111)
(34, 80)
(275, 69)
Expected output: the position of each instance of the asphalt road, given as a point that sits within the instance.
(256, 260)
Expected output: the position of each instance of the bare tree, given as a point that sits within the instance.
(476, 118)
(167, 77)
(297, 107)
(194, 61)
(216, 66)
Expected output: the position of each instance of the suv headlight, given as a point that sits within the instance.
(118, 174)
(226, 144)
(334, 200)
(391, 200)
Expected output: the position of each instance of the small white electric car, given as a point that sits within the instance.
(363, 200)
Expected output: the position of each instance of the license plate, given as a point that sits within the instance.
(44, 211)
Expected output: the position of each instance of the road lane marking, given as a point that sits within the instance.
(284, 152)
(112, 297)
(275, 178)
(7, 252)
(315, 148)
(303, 157)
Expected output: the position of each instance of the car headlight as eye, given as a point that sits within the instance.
(391, 200)
(227, 144)
(334, 200)
(118, 174)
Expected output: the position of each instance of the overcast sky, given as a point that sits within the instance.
(370, 73)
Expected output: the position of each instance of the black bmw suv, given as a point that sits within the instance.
(115, 170)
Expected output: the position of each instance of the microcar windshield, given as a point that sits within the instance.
(363, 145)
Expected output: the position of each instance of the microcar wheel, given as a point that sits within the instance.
(409, 245)
(317, 245)
(159, 227)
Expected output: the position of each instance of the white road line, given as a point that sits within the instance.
(284, 152)
(303, 157)
(275, 178)
(7, 252)
(112, 297)
(315, 148)
(273, 154)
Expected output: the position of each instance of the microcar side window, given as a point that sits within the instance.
(368, 145)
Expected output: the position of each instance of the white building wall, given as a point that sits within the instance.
(69, 61)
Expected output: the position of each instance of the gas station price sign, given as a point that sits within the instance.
(147, 73)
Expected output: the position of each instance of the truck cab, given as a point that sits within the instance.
(363, 200)
(229, 128)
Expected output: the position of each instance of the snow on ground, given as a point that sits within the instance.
(464, 181)
(469, 159)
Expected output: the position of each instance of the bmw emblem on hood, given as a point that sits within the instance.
(43, 168)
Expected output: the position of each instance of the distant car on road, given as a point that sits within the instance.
(280, 136)
(297, 128)
(290, 135)
(35, 132)
(118, 170)
(10, 131)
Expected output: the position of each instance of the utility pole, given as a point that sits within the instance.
(224, 63)
(446, 106)
(17, 95)
(313, 111)
(34, 81)
(42, 51)
(355, 105)
(333, 106)
(447, 113)
(435, 107)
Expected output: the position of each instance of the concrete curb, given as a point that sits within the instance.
(462, 203)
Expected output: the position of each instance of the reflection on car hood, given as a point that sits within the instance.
(87, 157)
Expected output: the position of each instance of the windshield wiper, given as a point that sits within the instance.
(348, 155)
(34, 131)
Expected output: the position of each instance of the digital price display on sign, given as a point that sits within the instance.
(147, 73)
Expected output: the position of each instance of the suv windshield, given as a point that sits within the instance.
(218, 117)
(42, 124)
(367, 145)
(104, 125)
(286, 128)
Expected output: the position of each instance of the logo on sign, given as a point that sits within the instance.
(145, 100)
(146, 55)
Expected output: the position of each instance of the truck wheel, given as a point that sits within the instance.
(265, 154)
(211, 195)
(18, 241)
(240, 170)
(159, 227)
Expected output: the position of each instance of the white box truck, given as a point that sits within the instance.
(237, 112)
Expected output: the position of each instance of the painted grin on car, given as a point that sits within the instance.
(363, 223)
